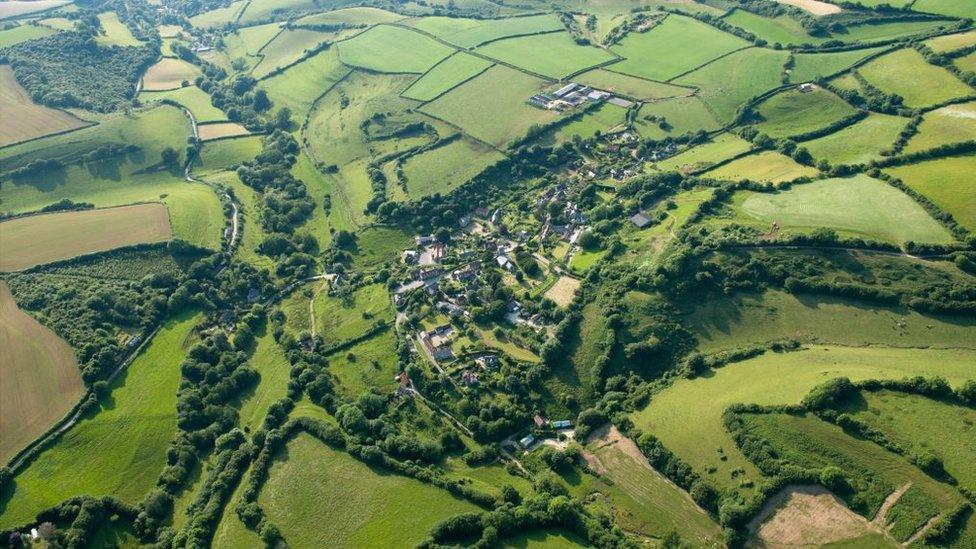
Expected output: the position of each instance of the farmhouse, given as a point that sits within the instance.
(807, 87)
(640, 220)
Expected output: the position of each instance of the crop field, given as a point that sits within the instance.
(751, 319)
(447, 74)
(906, 73)
(950, 124)
(288, 47)
(763, 166)
(681, 115)
(193, 98)
(169, 74)
(499, 121)
(947, 182)
(554, 55)
(22, 33)
(17, 8)
(41, 377)
(468, 33)
(630, 86)
(794, 112)
(952, 42)
(442, 169)
(39, 239)
(783, 29)
(392, 49)
(858, 143)
(300, 85)
(687, 416)
(24, 119)
(857, 206)
(730, 82)
(115, 31)
(678, 45)
(720, 148)
(816, 7)
(137, 422)
(353, 16)
(219, 130)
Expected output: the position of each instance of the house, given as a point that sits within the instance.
(404, 386)
(469, 378)
(451, 309)
(410, 256)
(562, 424)
(424, 240)
(807, 87)
(464, 221)
(527, 441)
(596, 96)
(488, 362)
(640, 220)
(505, 263)
(540, 422)
(481, 212)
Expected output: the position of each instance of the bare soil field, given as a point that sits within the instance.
(563, 290)
(815, 7)
(221, 129)
(22, 118)
(16, 8)
(39, 239)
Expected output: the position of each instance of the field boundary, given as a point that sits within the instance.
(706, 63)
(88, 124)
(447, 91)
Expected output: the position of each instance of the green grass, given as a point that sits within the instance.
(764, 166)
(952, 42)
(23, 33)
(687, 417)
(727, 84)
(947, 182)
(505, 117)
(252, 234)
(604, 118)
(446, 75)
(573, 374)
(645, 246)
(468, 33)
(287, 48)
(793, 112)
(312, 488)
(876, 32)
(967, 62)
(750, 319)
(858, 143)
(545, 539)
(784, 30)
(137, 422)
(392, 49)
(855, 206)
(554, 55)
(352, 16)
(262, 10)
(340, 319)
(299, 86)
(906, 73)
(270, 363)
(246, 43)
(721, 147)
(950, 124)
(809, 66)
(682, 115)
(445, 168)
(377, 245)
(677, 45)
(953, 8)
(218, 17)
(629, 86)
(224, 153)
(368, 365)
(193, 98)
(115, 32)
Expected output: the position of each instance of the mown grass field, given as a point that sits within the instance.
(751, 319)
(445, 75)
(855, 206)
(808, 66)
(947, 182)
(288, 47)
(39, 239)
(392, 49)
(443, 169)
(193, 98)
(859, 143)
(794, 112)
(783, 29)
(720, 148)
(554, 55)
(389, 510)
(299, 86)
(136, 421)
(681, 114)
(23, 33)
(678, 45)
(169, 74)
(687, 417)
(906, 73)
(41, 377)
(218, 130)
(506, 117)
(630, 86)
(950, 124)
(468, 33)
(951, 42)
(22, 118)
(763, 166)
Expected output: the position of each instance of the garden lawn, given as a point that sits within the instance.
(793, 112)
(854, 206)
(950, 124)
(764, 166)
(948, 182)
(23, 119)
(447, 74)
(137, 422)
(630, 86)
(906, 73)
(810, 66)
(673, 47)
(469, 33)
(443, 169)
(168, 74)
(720, 148)
(392, 49)
(554, 55)
(858, 143)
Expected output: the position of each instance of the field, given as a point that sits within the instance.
(629, 86)
(22, 33)
(169, 74)
(783, 29)
(193, 98)
(751, 319)
(299, 86)
(220, 130)
(678, 45)
(858, 143)
(645, 246)
(701, 157)
(468, 33)
(447, 74)
(367, 366)
(808, 66)
(24, 119)
(947, 182)
(354, 16)
(856, 206)
(137, 421)
(391, 511)
(39, 239)
(682, 115)
(115, 32)
(967, 62)
(218, 17)
(41, 377)
(339, 319)
(563, 291)
(906, 73)
(763, 166)
(605, 118)
(554, 55)
(270, 362)
(816, 7)
(954, 8)
(950, 124)
(951, 42)
(16, 8)
(445, 168)
(392, 49)
(876, 32)
(687, 417)
(222, 154)
(794, 112)
(499, 121)
(246, 43)
(288, 47)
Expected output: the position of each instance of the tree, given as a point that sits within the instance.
(170, 156)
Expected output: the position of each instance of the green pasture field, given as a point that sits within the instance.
(948, 182)
(300, 85)
(856, 206)
(783, 29)
(630, 86)
(446, 75)
(339, 319)
(644, 246)
(271, 364)
(218, 17)
(38, 239)
(721, 147)
(858, 143)
(352, 16)
(23, 33)
(750, 319)
(246, 43)
(809, 66)
(193, 98)
(545, 539)
(967, 63)
(288, 47)
(115, 32)
(554, 55)
(793, 112)
(952, 8)
(23, 119)
(487, 478)
(687, 416)
(137, 421)
(952, 42)
(604, 118)
(57, 23)
(262, 10)
(445, 168)
(247, 199)
(505, 117)
(950, 124)
(221, 155)
(379, 244)
(168, 74)
(906, 73)
(320, 223)
(730, 82)
(583, 260)
(677, 45)
(392, 49)
(573, 373)
(368, 365)
(468, 33)
(41, 377)
(763, 166)
(876, 32)
(682, 114)
(390, 510)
